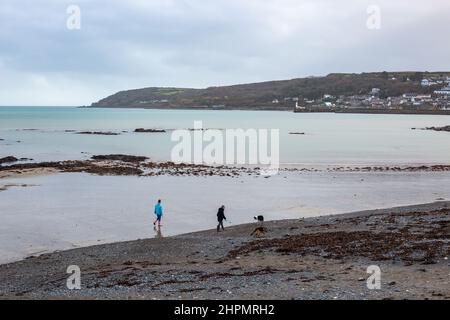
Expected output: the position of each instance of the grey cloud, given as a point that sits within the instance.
(194, 43)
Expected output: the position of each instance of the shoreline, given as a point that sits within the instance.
(290, 109)
(313, 258)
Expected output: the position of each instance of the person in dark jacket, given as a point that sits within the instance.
(220, 218)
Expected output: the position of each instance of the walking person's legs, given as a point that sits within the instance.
(159, 217)
(220, 225)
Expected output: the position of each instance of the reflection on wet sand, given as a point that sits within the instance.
(158, 233)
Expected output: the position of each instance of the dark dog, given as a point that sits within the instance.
(259, 218)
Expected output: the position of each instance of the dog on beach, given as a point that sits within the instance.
(259, 218)
(259, 232)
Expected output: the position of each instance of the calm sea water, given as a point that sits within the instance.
(329, 138)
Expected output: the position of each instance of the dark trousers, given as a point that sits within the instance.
(220, 225)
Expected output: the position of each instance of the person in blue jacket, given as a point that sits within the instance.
(158, 212)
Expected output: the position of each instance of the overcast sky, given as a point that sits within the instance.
(199, 43)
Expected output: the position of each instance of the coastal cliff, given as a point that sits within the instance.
(272, 95)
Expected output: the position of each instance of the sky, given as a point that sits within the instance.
(57, 52)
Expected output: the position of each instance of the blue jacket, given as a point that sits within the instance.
(158, 209)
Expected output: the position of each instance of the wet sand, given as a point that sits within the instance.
(314, 258)
(24, 173)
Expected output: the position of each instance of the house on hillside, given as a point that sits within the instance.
(375, 91)
(430, 82)
(297, 107)
(409, 96)
(443, 92)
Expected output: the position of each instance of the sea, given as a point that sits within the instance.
(46, 134)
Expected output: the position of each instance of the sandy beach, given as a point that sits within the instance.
(314, 258)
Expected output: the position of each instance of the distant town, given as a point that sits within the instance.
(438, 100)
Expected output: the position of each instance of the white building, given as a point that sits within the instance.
(443, 92)
(375, 91)
(423, 97)
(297, 107)
(409, 96)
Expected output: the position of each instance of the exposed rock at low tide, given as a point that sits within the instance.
(120, 157)
(96, 167)
(444, 128)
(142, 130)
(101, 133)
(9, 159)
(118, 164)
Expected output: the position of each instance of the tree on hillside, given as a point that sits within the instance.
(418, 76)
